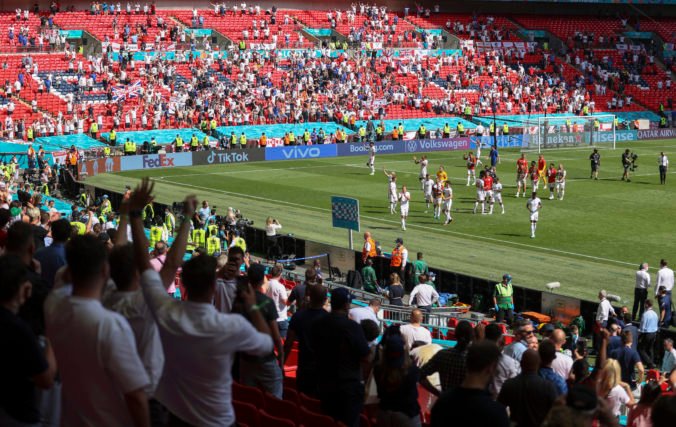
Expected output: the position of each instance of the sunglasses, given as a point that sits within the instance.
(531, 332)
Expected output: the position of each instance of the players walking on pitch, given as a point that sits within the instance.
(497, 194)
(480, 194)
(423, 169)
(521, 171)
(428, 184)
(372, 158)
(448, 202)
(404, 199)
(392, 191)
(595, 159)
(471, 167)
(437, 192)
(560, 182)
(534, 205)
(551, 180)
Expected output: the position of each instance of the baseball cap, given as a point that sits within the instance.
(340, 297)
(256, 273)
(399, 240)
(394, 351)
(507, 277)
(547, 327)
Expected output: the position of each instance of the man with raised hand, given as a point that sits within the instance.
(199, 342)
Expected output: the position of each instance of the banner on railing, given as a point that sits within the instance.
(98, 166)
(153, 161)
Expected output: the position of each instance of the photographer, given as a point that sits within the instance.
(628, 163)
(271, 227)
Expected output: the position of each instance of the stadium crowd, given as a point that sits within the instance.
(102, 332)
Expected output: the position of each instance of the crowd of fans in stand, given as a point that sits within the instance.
(95, 335)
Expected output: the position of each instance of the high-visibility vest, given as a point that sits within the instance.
(503, 295)
(213, 245)
(242, 45)
(597, 125)
(106, 151)
(491, 128)
(81, 228)
(129, 147)
(461, 128)
(397, 257)
(263, 141)
(112, 136)
(199, 237)
(155, 235)
(505, 129)
(214, 124)
(133, 147)
(362, 131)
(242, 140)
(148, 212)
(29, 133)
(447, 128)
(401, 130)
(395, 133)
(106, 208)
(372, 252)
(212, 229)
(306, 136)
(292, 137)
(205, 141)
(170, 223)
(379, 130)
(663, 121)
(94, 127)
(422, 130)
(178, 141)
(194, 142)
(240, 243)
(233, 139)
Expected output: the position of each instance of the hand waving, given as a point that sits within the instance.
(142, 195)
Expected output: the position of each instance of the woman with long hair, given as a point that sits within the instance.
(396, 292)
(611, 387)
(397, 383)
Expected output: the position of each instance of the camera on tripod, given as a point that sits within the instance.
(633, 164)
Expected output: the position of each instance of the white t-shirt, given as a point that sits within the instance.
(199, 344)
(362, 313)
(412, 333)
(423, 168)
(428, 184)
(562, 364)
(97, 359)
(617, 397)
(404, 198)
(278, 293)
(534, 204)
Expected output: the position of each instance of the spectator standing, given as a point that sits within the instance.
(523, 331)
(669, 358)
(199, 342)
(639, 416)
(547, 353)
(629, 361)
(300, 328)
(640, 290)
(562, 363)
(28, 361)
(396, 379)
(262, 371)
(470, 404)
(369, 312)
(503, 300)
(414, 332)
(395, 292)
(103, 377)
(340, 348)
(369, 278)
(528, 396)
(297, 295)
(665, 307)
(611, 387)
(665, 277)
(424, 295)
(53, 257)
(647, 334)
(449, 362)
(419, 267)
(603, 313)
(507, 367)
(277, 292)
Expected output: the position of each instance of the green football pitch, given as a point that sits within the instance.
(593, 239)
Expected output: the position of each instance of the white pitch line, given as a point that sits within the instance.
(446, 231)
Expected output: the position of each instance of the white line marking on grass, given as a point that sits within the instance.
(424, 227)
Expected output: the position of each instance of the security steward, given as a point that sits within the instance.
(503, 300)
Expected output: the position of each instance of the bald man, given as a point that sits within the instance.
(413, 331)
(528, 396)
(563, 363)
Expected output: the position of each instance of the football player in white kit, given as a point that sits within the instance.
(497, 194)
(478, 153)
(404, 199)
(372, 158)
(423, 162)
(428, 183)
(560, 182)
(437, 192)
(534, 205)
(448, 202)
(480, 193)
(392, 190)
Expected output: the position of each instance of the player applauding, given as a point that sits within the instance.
(448, 202)
(423, 162)
(392, 190)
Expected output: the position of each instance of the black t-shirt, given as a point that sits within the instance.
(339, 345)
(39, 235)
(468, 407)
(269, 312)
(20, 359)
(401, 398)
(298, 294)
(301, 323)
(32, 310)
(529, 398)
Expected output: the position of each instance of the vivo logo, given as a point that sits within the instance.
(159, 161)
(301, 152)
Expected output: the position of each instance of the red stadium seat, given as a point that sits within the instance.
(291, 394)
(246, 413)
(248, 394)
(280, 408)
(310, 403)
(313, 419)
(268, 420)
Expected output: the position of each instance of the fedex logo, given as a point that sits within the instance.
(157, 161)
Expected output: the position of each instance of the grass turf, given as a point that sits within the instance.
(593, 239)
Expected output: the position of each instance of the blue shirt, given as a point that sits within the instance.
(648, 322)
(558, 381)
(51, 259)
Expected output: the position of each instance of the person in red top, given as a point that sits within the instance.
(488, 190)
(542, 168)
(471, 166)
(521, 170)
(551, 180)
(534, 175)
